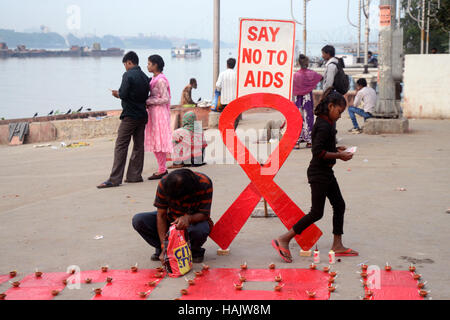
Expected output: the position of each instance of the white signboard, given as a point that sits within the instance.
(266, 56)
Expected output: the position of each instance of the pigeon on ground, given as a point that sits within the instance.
(79, 110)
(35, 115)
(70, 110)
(50, 113)
(88, 109)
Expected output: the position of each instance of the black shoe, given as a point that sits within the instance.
(198, 259)
(155, 256)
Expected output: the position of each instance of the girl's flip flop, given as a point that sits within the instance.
(347, 253)
(285, 254)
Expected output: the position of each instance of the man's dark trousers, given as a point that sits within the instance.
(128, 128)
(145, 224)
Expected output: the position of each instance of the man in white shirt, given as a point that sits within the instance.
(226, 84)
(368, 98)
(331, 69)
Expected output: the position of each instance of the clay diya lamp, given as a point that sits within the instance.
(312, 266)
(72, 271)
(2, 296)
(416, 276)
(12, 274)
(369, 293)
(421, 285)
(238, 286)
(105, 269)
(278, 287)
(333, 274)
(191, 282)
(134, 268)
(364, 267)
(366, 298)
(412, 268)
(205, 267)
(98, 291)
(311, 294)
(158, 275)
(160, 269)
(244, 266)
(184, 292)
(278, 278)
(330, 280)
(272, 266)
(364, 275)
(64, 282)
(152, 283)
(143, 294)
(423, 293)
(198, 273)
(331, 288)
(88, 280)
(326, 269)
(37, 274)
(109, 280)
(364, 282)
(15, 284)
(387, 267)
(242, 278)
(55, 293)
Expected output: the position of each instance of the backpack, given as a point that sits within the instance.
(341, 81)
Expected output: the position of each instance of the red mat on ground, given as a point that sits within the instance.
(218, 284)
(395, 285)
(33, 288)
(126, 285)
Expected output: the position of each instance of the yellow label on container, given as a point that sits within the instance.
(184, 258)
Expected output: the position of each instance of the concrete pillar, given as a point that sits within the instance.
(387, 114)
(386, 106)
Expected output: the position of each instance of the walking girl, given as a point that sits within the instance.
(321, 176)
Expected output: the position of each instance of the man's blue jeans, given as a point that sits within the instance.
(352, 110)
(145, 224)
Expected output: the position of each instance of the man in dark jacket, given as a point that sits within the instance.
(133, 92)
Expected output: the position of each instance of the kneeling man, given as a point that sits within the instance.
(183, 198)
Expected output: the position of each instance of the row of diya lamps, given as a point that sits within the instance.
(369, 293)
(97, 291)
(239, 286)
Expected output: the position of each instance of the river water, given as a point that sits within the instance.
(30, 85)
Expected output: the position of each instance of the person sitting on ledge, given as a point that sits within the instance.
(183, 198)
(186, 96)
(368, 98)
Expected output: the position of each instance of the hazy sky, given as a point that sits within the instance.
(327, 19)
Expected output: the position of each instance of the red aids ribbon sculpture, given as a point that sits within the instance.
(261, 176)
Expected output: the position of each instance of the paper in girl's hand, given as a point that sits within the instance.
(351, 149)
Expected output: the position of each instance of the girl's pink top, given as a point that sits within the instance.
(158, 133)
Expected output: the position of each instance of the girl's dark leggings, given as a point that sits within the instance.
(320, 191)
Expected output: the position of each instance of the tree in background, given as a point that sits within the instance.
(439, 26)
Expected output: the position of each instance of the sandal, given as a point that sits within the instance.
(156, 176)
(176, 166)
(285, 254)
(107, 184)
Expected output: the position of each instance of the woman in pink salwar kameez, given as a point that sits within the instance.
(158, 134)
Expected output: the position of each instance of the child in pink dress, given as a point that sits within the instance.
(158, 134)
